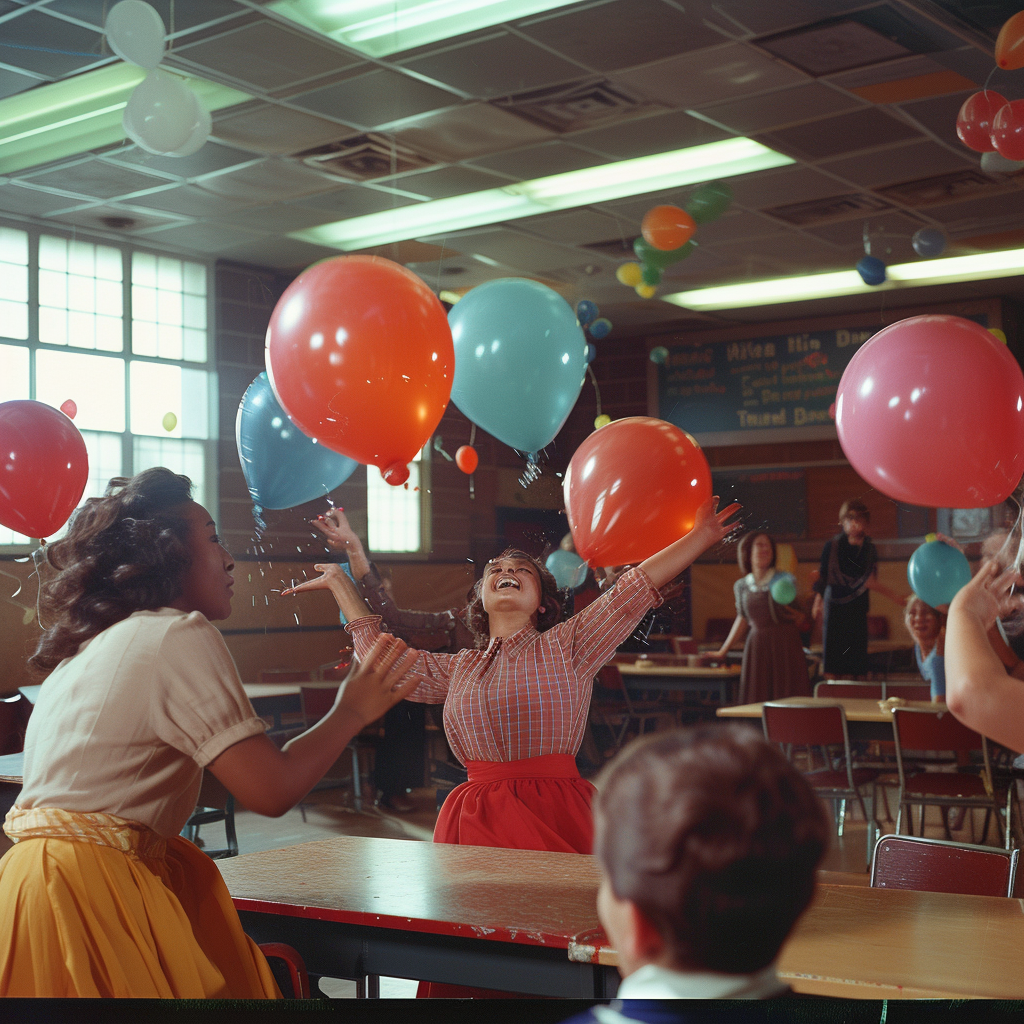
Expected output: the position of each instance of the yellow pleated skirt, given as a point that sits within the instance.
(94, 905)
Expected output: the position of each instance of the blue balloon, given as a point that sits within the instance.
(568, 569)
(783, 588)
(937, 571)
(520, 360)
(600, 328)
(929, 242)
(591, 353)
(282, 466)
(871, 270)
(586, 311)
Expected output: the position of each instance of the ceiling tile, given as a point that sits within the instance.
(189, 201)
(353, 201)
(787, 106)
(461, 133)
(117, 218)
(376, 98)
(992, 213)
(181, 14)
(280, 253)
(737, 224)
(643, 135)
(11, 82)
(268, 180)
(455, 272)
(514, 249)
(31, 202)
(619, 33)
(581, 227)
(977, 66)
(554, 157)
(270, 128)
(859, 129)
(704, 76)
(68, 48)
(778, 187)
(210, 157)
(938, 115)
(887, 230)
(760, 18)
(497, 65)
(445, 182)
(267, 55)
(99, 179)
(204, 236)
(833, 46)
(274, 218)
(899, 163)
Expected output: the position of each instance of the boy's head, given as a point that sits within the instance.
(854, 518)
(708, 841)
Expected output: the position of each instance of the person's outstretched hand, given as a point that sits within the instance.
(336, 530)
(713, 524)
(379, 681)
(990, 595)
(331, 577)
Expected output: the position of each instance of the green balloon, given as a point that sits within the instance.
(650, 274)
(683, 251)
(659, 354)
(709, 201)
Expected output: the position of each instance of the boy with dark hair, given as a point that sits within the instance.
(708, 842)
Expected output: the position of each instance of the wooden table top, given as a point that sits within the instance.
(520, 896)
(653, 668)
(858, 709)
(863, 943)
(12, 767)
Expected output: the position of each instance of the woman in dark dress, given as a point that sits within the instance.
(773, 656)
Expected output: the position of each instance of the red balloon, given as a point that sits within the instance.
(929, 412)
(69, 408)
(667, 227)
(44, 468)
(1010, 43)
(1008, 130)
(467, 459)
(360, 355)
(974, 122)
(632, 488)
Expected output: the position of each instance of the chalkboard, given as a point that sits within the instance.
(773, 500)
(774, 388)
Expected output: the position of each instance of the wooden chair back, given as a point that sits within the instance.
(936, 865)
(803, 725)
(925, 729)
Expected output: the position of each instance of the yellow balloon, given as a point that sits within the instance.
(997, 333)
(630, 274)
(602, 421)
(646, 291)
(170, 421)
(785, 558)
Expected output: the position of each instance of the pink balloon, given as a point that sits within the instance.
(974, 122)
(69, 408)
(1008, 130)
(929, 412)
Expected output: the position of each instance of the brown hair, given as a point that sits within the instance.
(124, 552)
(715, 837)
(550, 599)
(745, 546)
(854, 506)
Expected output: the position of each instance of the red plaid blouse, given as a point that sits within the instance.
(528, 694)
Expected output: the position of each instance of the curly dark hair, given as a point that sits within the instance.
(745, 546)
(716, 838)
(551, 599)
(124, 552)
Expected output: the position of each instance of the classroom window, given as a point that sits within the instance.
(145, 386)
(397, 517)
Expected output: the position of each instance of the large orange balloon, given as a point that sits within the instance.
(632, 488)
(360, 356)
(667, 227)
(1010, 43)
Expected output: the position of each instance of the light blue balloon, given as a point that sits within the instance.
(600, 328)
(520, 360)
(591, 352)
(568, 569)
(937, 571)
(783, 588)
(929, 242)
(586, 311)
(282, 466)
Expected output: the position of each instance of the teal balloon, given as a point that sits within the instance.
(281, 465)
(659, 355)
(520, 360)
(586, 311)
(709, 201)
(783, 588)
(600, 328)
(936, 571)
(568, 569)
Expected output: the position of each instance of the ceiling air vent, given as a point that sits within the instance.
(945, 188)
(364, 157)
(570, 108)
(822, 211)
(616, 248)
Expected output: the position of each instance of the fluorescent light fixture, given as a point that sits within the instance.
(81, 113)
(381, 27)
(979, 267)
(544, 195)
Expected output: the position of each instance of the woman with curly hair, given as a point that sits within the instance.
(100, 896)
(515, 707)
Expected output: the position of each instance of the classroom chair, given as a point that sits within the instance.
(936, 865)
(620, 714)
(288, 968)
(924, 729)
(215, 804)
(806, 727)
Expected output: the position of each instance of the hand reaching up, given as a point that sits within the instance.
(379, 681)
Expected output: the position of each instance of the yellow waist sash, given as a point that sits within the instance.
(94, 827)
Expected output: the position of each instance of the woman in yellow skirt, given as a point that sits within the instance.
(100, 896)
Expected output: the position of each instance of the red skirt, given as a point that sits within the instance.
(538, 803)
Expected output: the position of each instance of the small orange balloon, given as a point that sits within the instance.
(1010, 43)
(467, 459)
(667, 227)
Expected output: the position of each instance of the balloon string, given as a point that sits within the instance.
(472, 435)
(984, 88)
(597, 390)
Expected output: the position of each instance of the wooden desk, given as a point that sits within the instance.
(656, 675)
(357, 907)
(863, 943)
(865, 719)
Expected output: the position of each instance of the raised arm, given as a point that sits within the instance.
(978, 689)
(333, 578)
(709, 528)
(340, 536)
